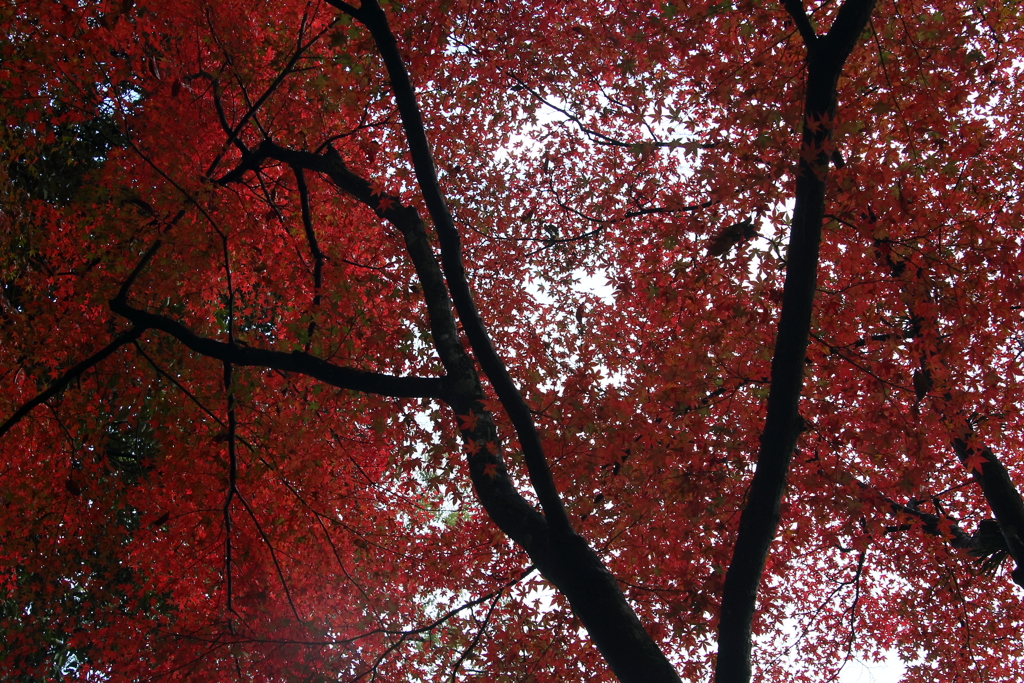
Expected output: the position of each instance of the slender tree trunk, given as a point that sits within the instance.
(759, 521)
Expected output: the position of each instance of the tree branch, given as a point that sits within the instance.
(298, 362)
(122, 293)
(314, 247)
(234, 132)
(373, 17)
(851, 20)
(71, 374)
(1002, 495)
(802, 21)
(566, 559)
(930, 524)
(273, 555)
(482, 626)
(307, 224)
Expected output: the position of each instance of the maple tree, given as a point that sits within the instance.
(301, 381)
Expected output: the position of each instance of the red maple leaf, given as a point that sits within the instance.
(974, 462)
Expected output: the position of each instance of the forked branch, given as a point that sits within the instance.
(562, 556)
(760, 518)
(373, 17)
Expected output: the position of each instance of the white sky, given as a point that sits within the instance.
(890, 671)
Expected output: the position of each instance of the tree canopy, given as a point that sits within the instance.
(409, 340)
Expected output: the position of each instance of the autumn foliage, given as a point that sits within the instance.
(356, 342)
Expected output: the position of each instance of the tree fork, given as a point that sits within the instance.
(759, 520)
(372, 16)
(562, 556)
